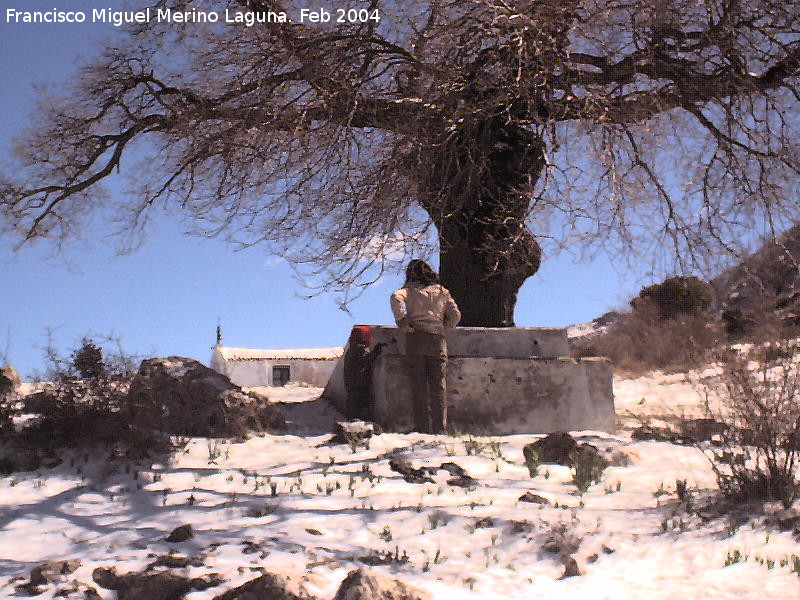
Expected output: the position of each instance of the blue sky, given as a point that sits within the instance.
(166, 298)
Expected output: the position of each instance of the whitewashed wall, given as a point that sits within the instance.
(258, 372)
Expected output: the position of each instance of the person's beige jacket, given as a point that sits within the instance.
(427, 308)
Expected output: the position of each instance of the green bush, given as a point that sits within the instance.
(88, 360)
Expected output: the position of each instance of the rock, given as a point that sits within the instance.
(91, 594)
(251, 547)
(555, 448)
(571, 568)
(352, 432)
(105, 577)
(522, 527)
(173, 561)
(67, 590)
(371, 585)
(9, 380)
(657, 434)
(181, 534)
(182, 396)
(207, 581)
(464, 481)
(454, 469)
(786, 520)
(484, 522)
(425, 474)
(143, 586)
(701, 430)
(51, 571)
(26, 589)
(268, 587)
(590, 454)
(534, 498)
(692, 431)
(620, 457)
(551, 546)
(376, 559)
(560, 448)
(409, 473)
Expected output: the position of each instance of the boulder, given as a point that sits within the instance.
(175, 561)
(691, 431)
(555, 448)
(268, 587)
(647, 432)
(454, 469)
(620, 457)
(51, 571)
(571, 568)
(561, 449)
(91, 594)
(46, 573)
(180, 534)
(409, 473)
(9, 380)
(143, 586)
(182, 396)
(701, 430)
(371, 585)
(353, 432)
(533, 498)
(459, 478)
(787, 520)
(463, 481)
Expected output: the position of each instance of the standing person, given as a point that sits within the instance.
(358, 364)
(423, 309)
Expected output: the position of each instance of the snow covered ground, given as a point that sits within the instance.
(295, 504)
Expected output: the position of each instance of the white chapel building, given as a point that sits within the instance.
(251, 367)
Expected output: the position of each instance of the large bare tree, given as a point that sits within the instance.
(462, 122)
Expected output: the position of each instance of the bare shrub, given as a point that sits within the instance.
(85, 405)
(642, 340)
(760, 322)
(756, 397)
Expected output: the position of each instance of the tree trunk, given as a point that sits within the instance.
(478, 194)
(485, 290)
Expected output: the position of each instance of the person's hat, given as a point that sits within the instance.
(361, 333)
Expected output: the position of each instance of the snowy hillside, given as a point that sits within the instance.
(295, 504)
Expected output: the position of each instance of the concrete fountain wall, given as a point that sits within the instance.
(499, 381)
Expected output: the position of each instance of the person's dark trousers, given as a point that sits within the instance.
(427, 365)
(357, 381)
(358, 402)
